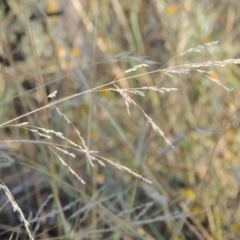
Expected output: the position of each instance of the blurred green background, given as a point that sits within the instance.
(74, 45)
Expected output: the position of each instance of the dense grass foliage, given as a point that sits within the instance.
(119, 119)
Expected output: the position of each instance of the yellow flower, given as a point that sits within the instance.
(188, 194)
(171, 10)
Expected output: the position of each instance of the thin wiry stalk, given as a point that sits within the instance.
(142, 206)
(38, 215)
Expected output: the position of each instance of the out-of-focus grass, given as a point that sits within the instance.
(195, 190)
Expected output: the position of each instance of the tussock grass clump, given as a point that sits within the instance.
(99, 141)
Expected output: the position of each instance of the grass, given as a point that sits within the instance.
(78, 96)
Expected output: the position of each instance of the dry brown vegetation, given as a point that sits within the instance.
(119, 119)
